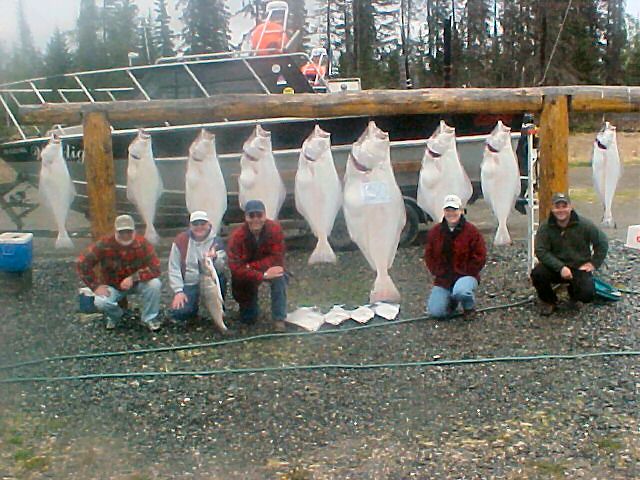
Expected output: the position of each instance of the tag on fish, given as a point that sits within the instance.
(362, 314)
(336, 315)
(308, 318)
(388, 311)
(374, 193)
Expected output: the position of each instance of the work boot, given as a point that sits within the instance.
(574, 305)
(111, 324)
(279, 326)
(547, 309)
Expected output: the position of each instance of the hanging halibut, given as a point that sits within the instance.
(144, 184)
(204, 184)
(442, 173)
(259, 178)
(500, 179)
(373, 208)
(56, 189)
(607, 170)
(318, 193)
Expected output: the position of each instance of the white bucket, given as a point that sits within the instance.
(633, 237)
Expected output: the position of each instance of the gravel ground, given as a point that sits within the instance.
(541, 419)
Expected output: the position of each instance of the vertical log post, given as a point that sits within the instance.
(554, 151)
(99, 169)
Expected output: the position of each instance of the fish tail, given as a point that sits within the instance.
(323, 253)
(384, 289)
(502, 236)
(218, 321)
(151, 234)
(63, 240)
(607, 220)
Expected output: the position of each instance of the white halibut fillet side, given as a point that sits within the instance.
(607, 170)
(374, 209)
(259, 177)
(441, 173)
(211, 293)
(318, 193)
(204, 184)
(500, 179)
(56, 189)
(144, 184)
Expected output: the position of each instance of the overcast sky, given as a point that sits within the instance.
(44, 16)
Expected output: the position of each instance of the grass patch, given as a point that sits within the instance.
(22, 455)
(15, 440)
(552, 469)
(36, 463)
(609, 444)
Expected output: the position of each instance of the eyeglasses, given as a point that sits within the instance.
(255, 214)
(199, 223)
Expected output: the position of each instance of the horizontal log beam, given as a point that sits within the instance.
(367, 102)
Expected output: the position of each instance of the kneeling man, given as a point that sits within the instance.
(569, 248)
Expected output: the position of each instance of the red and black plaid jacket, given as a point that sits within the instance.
(248, 258)
(118, 262)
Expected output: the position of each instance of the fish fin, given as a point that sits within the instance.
(323, 253)
(502, 236)
(151, 235)
(608, 222)
(384, 290)
(63, 240)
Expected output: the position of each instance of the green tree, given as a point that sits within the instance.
(162, 33)
(26, 61)
(206, 26)
(121, 31)
(90, 52)
(57, 59)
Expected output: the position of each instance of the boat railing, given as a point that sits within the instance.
(118, 84)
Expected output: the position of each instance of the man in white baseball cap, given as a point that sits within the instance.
(184, 274)
(455, 253)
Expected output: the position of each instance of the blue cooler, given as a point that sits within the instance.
(16, 251)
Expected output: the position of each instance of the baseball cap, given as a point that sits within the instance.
(124, 222)
(254, 206)
(560, 197)
(452, 201)
(198, 215)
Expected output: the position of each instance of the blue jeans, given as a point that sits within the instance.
(150, 292)
(250, 310)
(443, 301)
(190, 308)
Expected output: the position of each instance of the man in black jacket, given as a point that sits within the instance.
(569, 248)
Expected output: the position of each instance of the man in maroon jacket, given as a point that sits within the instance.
(455, 254)
(128, 264)
(256, 255)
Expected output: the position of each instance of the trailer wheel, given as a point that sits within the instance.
(410, 231)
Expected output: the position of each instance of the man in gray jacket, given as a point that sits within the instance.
(187, 251)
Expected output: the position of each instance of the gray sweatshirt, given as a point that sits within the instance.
(195, 251)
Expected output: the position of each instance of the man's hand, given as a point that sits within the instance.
(565, 273)
(179, 300)
(273, 272)
(212, 254)
(587, 267)
(101, 291)
(126, 284)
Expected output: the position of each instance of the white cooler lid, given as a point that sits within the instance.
(15, 238)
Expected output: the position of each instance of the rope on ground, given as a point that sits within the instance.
(265, 336)
(328, 366)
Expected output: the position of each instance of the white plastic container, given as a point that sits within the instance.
(633, 237)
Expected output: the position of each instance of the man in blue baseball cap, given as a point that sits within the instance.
(256, 256)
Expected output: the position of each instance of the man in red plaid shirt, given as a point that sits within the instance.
(256, 255)
(128, 264)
